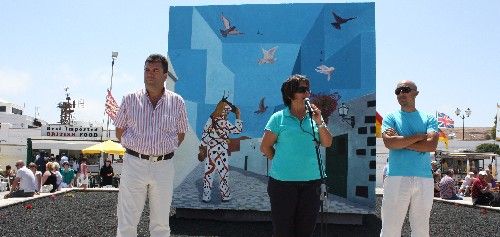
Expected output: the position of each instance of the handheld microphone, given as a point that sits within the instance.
(308, 106)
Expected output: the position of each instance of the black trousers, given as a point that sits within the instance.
(483, 199)
(294, 207)
(20, 193)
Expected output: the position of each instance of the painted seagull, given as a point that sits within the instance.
(228, 28)
(262, 108)
(339, 20)
(268, 55)
(323, 69)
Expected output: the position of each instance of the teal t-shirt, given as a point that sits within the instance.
(404, 162)
(295, 155)
(67, 175)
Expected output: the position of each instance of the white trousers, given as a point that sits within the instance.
(137, 175)
(401, 192)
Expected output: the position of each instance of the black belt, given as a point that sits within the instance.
(148, 157)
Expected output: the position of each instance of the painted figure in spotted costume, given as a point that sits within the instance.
(215, 138)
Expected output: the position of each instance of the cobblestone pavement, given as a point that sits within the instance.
(249, 191)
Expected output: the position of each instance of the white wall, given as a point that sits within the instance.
(9, 154)
(186, 157)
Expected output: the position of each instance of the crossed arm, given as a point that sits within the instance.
(419, 142)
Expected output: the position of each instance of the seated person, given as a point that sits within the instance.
(50, 177)
(9, 174)
(467, 184)
(437, 178)
(447, 188)
(106, 174)
(480, 192)
(492, 182)
(24, 184)
(38, 176)
(435, 168)
(68, 175)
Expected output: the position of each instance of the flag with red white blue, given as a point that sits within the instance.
(111, 106)
(444, 121)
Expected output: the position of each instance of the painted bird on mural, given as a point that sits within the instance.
(323, 69)
(228, 28)
(268, 55)
(339, 20)
(262, 107)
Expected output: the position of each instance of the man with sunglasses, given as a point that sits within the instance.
(410, 135)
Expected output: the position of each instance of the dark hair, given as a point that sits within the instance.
(8, 167)
(449, 172)
(158, 58)
(290, 86)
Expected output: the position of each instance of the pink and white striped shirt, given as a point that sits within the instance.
(148, 130)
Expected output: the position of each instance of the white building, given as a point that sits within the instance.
(16, 128)
(13, 114)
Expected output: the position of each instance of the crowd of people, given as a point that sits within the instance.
(48, 174)
(480, 186)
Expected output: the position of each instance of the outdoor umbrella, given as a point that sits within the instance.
(108, 146)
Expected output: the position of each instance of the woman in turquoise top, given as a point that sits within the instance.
(294, 182)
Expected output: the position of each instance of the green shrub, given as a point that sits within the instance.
(488, 147)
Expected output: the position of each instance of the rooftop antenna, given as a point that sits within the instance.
(67, 108)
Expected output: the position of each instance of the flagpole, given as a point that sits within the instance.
(114, 55)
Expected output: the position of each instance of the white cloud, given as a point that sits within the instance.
(14, 82)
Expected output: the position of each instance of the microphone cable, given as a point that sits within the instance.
(323, 190)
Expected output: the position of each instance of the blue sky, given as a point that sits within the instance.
(449, 48)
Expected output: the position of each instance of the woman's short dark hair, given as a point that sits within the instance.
(290, 86)
(158, 58)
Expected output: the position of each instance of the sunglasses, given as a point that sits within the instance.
(303, 89)
(402, 89)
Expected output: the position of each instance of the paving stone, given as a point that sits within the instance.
(249, 191)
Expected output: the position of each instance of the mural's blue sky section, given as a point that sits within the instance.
(257, 81)
(180, 28)
(209, 65)
(277, 23)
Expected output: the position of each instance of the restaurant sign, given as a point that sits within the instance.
(61, 130)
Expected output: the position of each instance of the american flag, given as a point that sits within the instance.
(444, 121)
(111, 106)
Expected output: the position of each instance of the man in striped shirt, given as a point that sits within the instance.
(150, 124)
(447, 188)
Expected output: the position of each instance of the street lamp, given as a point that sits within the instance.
(343, 111)
(458, 112)
(114, 55)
